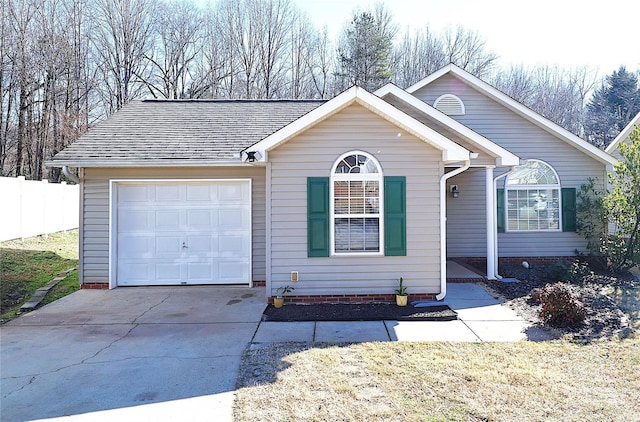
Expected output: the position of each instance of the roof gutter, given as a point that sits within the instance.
(75, 179)
(149, 163)
(443, 226)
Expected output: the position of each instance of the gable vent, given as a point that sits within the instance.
(450, 105)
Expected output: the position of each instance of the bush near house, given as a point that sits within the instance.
(610, 221)
(560, 306)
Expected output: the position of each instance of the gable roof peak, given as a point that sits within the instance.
(518, 108)
(624, 134)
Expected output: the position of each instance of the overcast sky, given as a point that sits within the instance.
(569, 33)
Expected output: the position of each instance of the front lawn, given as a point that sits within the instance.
(525, 381)
(27, 265)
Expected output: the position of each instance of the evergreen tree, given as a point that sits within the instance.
(612, 107)
(365, 49)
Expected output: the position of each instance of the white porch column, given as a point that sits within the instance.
(491, 223)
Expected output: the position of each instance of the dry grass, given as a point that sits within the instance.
(440, 381)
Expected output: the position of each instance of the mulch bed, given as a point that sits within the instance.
(358, 312)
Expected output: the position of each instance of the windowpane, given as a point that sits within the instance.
(357, 234)
(357, 206)
(341, 189)
(372, 230)
(533, 209)
(357, 163)
(531, 203)
(341, 206)
(533, 173)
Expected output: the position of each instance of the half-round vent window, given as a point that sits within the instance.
(450, 105)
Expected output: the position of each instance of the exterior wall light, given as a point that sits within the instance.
(252, 156)
(455, 192)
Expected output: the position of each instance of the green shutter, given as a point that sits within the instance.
(317, 216)
(568, 209)
(395, 216)
(500, 210)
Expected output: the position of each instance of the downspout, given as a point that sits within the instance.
(69, 175)
(443, 226)
(495, 222)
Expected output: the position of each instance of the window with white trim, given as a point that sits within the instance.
(533, 198)
(356, 206)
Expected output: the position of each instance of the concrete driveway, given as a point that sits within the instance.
(153, 353)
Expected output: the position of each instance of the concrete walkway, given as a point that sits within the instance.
(481, 318)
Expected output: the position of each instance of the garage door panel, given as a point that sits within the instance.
(201, 219)
(168, 246)
(200, 272)
(167, 220)
(133, 220)
(233, 245)
(168, 272)
(232, 218)
(201, 245)
(133, 193)
(200, 193)
(232, 271)
(133, 273)
(135, 246)
(230, 193)
(167, 193)
(181, 233)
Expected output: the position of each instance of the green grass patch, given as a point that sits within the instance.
(27, 265)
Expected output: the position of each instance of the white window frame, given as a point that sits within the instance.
(557, 187)
(361, 177)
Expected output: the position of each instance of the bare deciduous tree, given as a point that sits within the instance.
(467, 49)
(178, 30)
(122, 37)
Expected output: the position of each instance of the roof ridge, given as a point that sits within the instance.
(228, 100)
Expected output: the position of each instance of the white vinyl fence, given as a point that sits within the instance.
(30, 208)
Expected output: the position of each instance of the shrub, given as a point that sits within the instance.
(560, 308)
(558, 271)
(535, 294)
(578, 271)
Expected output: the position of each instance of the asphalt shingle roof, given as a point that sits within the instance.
(198, 130)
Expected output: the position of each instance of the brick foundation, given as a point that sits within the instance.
(96, 286)
(373, 298)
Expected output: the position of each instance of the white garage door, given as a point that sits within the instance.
(172, 233)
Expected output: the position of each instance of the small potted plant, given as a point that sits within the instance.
(278, 301)
(401, 293)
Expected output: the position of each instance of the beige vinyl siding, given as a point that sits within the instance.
(483, 157)
(95, 242)
(312, 154)
(466, 215)
(527, 140)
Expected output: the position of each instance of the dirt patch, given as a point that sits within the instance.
(604, 318)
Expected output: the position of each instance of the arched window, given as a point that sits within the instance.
(533, 198)
(449, 104)
(356, 206)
